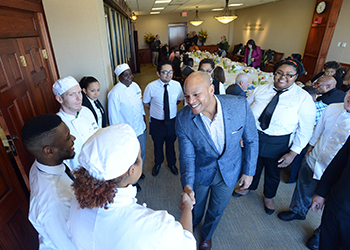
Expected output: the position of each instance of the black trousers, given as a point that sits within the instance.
(161, 133)
(271, 149)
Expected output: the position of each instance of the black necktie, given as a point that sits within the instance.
(68, 172)
(265, 117)
(98, 105)
(166, 104)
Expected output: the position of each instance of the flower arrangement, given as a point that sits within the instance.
(149, 38)
(202, 35)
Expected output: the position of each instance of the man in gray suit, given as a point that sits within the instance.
(209, 130)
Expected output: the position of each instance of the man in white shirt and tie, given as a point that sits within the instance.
(48, 139)
(161, 97)
(79, 119)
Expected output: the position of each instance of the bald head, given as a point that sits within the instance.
(199, 94)
(243, 81)
(325, 84)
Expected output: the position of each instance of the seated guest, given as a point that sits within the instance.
(79, 119)
(223, 47)
(285, 116)
(193, 47)
(329, 69)
(252, 54)
(91, 91)
(219, 74)
(241, 85)
(329, 136)
(172, 54)
(207, 65)
(326, 87)
(182, 49)
(177, 64)
(48, 139)
(187, 69)
(105, 214)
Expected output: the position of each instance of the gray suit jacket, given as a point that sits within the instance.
(199, 158)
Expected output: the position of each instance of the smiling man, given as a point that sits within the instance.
(209, 131)
(79, 119)
(48, 139)
(161, 97)
(125, 106)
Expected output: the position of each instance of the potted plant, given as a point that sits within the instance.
(202, 36)
(149, 38)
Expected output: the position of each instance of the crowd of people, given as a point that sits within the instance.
(85, 176)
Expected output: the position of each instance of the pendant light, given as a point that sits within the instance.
(196, 21)
(226, 16)
(133, 17)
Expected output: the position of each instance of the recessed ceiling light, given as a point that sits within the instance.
(154, 12)
(218, 9)
(235, 4)
(162, 1)
(160, 8)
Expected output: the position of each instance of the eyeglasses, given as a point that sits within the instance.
(206, 71)
(288, 76)
(167, 72)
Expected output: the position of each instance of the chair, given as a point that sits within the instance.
(276, 58)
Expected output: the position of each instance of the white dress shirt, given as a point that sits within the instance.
(154, 94)
(125, 106)
(50, 200)
(82, 127)
(215, 127)
(98, 112)
(330, 134)
(127, 225)
(295, 113)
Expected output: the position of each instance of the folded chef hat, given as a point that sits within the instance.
(121, 68)
(63, 84)
(110, 152)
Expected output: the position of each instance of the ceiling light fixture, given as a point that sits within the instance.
(196, 21)
(160, 8)
(162, 1)
(218, 9)
(235, 4)
(154, 12)
(226, 16)
(133, 17)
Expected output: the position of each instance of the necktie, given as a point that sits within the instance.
(98, 105)
(68, 172)
(265, 117)
(166, 104)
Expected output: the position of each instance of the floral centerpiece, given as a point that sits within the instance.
(149, 38)
(202, 36)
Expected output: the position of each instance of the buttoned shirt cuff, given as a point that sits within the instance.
(312, 141)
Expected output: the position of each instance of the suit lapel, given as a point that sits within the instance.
(203, 130)
(227, 119)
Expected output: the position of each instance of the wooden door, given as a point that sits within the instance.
(176, 33)
(16, 232)
(16, 102)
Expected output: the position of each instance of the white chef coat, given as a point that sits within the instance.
(154, 94)
(127, 225)
(295, 113)
(331, 132)
(82, 127)
(125, 106)
(50, 200)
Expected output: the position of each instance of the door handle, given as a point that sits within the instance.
(13, 148)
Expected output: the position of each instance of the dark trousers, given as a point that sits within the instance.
(335, 230)
(296, 164)
(161, 133)
(304, 190)
(220, 195)
(271, 149)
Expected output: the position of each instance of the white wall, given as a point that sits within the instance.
(341, 34)
(286, 25)
(78, 34)
(158, 24)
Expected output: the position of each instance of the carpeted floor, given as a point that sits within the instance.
(244, 225)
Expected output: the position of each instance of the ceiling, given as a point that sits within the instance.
(144, 7)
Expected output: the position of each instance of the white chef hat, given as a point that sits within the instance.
(63, 84)
(110, 152)
(121, 68)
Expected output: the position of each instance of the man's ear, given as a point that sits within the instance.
(84, 90)
(211, 89)
(131, 170)
(59, 98)
(48, 151)
(158, 74)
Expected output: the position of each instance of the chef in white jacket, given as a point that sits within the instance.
(105, 215)
(79, 119)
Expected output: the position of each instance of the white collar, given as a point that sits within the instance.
(124, 196)
(55, 170)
